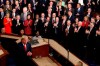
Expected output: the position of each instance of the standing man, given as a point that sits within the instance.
(24, 45)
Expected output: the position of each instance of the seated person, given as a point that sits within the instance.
(25, 45)
(3, 30)
(37, 36)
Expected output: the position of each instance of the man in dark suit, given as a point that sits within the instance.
(69, 31)
(89, 13)
(79, 33)
(70, 16)
(24, 14)
(97, 23)
(97, 5)
(17, 25)
(91, 33)
(2, 14)
(25, 46)
(79, 11)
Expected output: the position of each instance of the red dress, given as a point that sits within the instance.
(85, 24)
(28, 27)
(7, 22)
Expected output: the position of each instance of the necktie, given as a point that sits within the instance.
(24, 1)
(78, 9)
(25, 48)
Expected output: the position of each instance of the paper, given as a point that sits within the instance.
(1, 52)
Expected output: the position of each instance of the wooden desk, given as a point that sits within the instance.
(3, 56)
(41, 49)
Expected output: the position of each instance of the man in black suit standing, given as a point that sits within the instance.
(17, 25)
(79, 11)
(71, 17)
(24, 45)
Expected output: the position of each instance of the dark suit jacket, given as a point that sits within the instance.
(16, 29)
(97, 24)
(80, 13)
(90, 16)
(28, 45)
(92, 34)
(71, 19)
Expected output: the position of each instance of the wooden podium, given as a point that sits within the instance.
(3, 56)
(40, 55)
(41, 49)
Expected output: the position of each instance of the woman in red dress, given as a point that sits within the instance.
(28, 25)
(7, 22)
(85, 22)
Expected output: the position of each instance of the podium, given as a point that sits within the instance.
(40, 49)
(3, 56)
(40, 55)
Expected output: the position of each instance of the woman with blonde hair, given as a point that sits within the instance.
(85, 22)
(7, 22)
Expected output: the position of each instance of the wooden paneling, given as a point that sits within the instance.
(42, 51)
(3, 57)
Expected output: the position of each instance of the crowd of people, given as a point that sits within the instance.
(74, 23)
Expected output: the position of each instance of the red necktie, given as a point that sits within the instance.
(24, 1)
(25, 48)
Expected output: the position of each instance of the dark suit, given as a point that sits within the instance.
(79, 41)
(22, 16)
(91, 42)
(97, 5)
(68, 38)
(28, 47)
(80, 12)
(97, 24)
(71, 18)
(89, 15)
(16, 28)
(60, 11)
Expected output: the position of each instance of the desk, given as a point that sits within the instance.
(3, 56)
(41, 49)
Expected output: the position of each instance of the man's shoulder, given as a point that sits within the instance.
(20, 44)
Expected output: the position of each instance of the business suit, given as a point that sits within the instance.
(97, 5)
(24, 16)
(71, 18)
(91, 42)
(28, 47)
(89, 15)
(16, 27)
(78, 41)
(68, 37)
(80, 12)
(97, 24)
(7, 9)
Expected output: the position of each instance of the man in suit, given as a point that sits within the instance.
(97, 5)
(70, 16)
(69, 8)
(97, 23)
(7, 6)
(17, 25)
(24, 14)
(25, 46)
(79, 11)
(69, 31)
(1, 17)
(91, 33)
(89, 13)
(79, 33)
